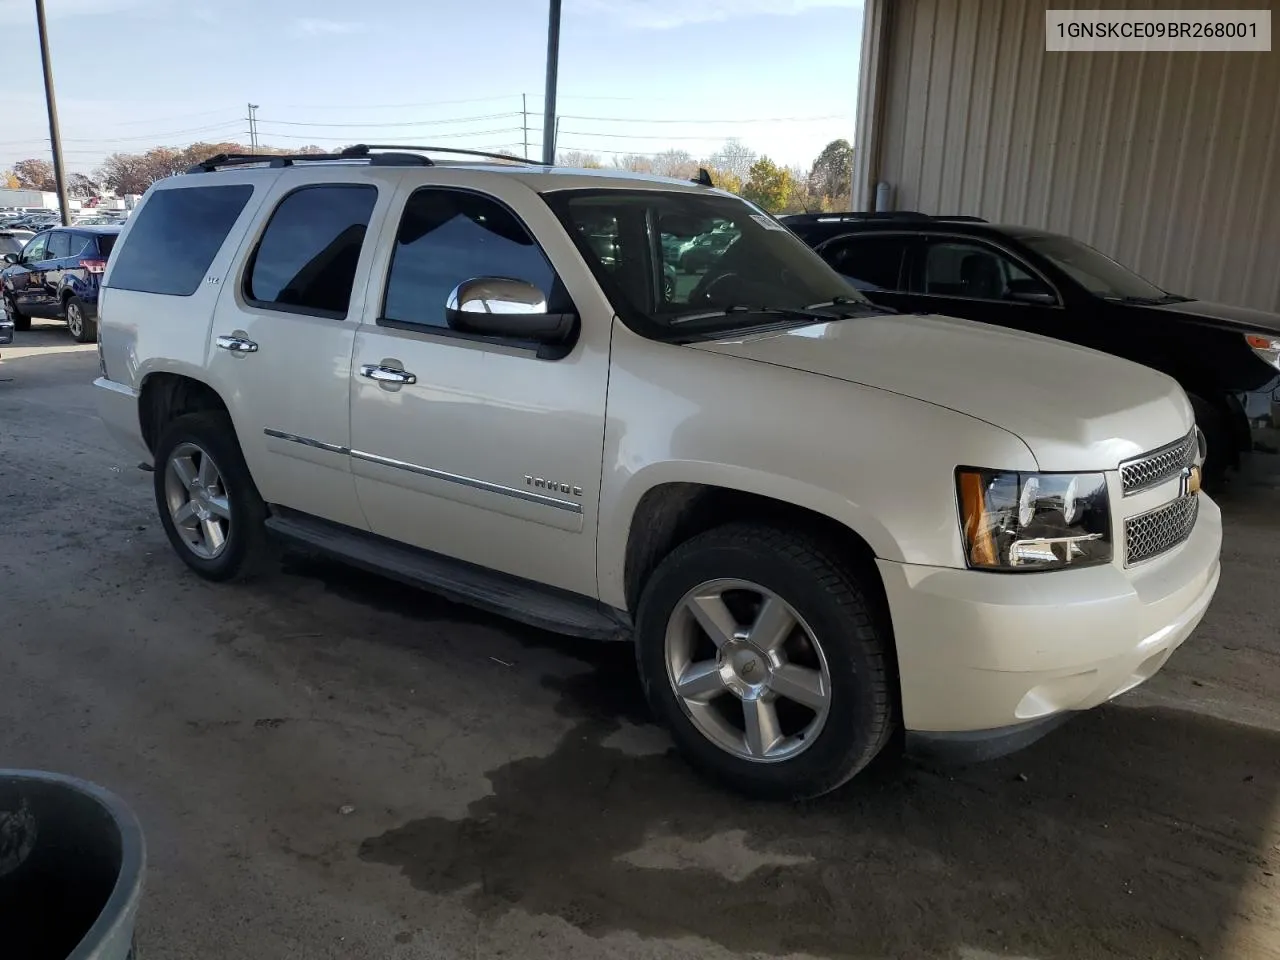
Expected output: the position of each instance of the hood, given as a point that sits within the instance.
(1075, 408)
(1220, 315)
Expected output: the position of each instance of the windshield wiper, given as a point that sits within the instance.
(860, 305)
(813, 314)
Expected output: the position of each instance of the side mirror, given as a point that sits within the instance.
(13, 258)
(501, 307)
(1030, 291)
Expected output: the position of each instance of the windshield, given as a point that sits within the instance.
(674, 258)
(1096, 272)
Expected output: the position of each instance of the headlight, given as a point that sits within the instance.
(1268, 348)
(1033, 521)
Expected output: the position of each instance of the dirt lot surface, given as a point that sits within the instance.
(328, 765)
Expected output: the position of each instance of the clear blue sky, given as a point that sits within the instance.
(130, 74)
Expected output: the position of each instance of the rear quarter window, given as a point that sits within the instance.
(175, 237)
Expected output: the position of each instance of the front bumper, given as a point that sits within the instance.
(118, 409)
(986, 651)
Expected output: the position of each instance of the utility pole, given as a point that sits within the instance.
(524, 121)
(55, 138)
(253, 128)
(553, 67)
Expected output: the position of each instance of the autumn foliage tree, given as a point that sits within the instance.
(769, 185)
(34, 175)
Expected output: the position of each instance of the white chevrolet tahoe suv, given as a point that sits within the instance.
(820, 523)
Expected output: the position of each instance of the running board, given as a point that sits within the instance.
(546, 608)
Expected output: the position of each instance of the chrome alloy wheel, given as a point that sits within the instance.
(197, 501)
(747, 670)
(75, 319)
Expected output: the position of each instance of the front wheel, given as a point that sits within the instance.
(84, 328)
(209, 505)
(21, 322)
(759, 650)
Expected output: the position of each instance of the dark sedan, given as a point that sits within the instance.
(1226, 358)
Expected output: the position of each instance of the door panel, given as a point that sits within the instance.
(55, 264)
(25, 278)
(491, 455)
(282, 338)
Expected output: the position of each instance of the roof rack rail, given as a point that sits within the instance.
(360, 151)
(907, 215)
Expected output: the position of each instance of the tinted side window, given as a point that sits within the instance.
(870, 263)
(175, 237)
(960, 269)
(59, 246)
(446, 237)
(106, 243)
(307, 257)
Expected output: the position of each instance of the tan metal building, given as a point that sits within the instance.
(1168, 162)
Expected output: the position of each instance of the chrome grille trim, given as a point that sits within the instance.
(1159, 465)
(1157, 531)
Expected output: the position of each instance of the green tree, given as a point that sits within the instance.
(769, 185)
(723, 179)
(832, 172)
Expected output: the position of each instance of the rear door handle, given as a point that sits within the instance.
(237, 344)
(384, 374)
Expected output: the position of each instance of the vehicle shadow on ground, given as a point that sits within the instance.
(1126, 833)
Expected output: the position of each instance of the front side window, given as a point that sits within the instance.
(447, 237)
(175, 236)
(1094, 271)
(869, 263)
(59, 247)
(34, 250)
(673, 260)
(306, 260)
(959, 268)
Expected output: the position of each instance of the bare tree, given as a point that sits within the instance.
(578, 158)
(675, 163)
(35, 175)
(734, 157)
(81, 187)
(635, 162)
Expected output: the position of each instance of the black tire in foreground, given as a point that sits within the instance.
(208, 503)
(761, 652)
(21, 322)
(80, 321)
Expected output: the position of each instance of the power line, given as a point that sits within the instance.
(398, 123)
(565, 116)
(156, 136)
(396, 106)
(644, 136)
(435, 136)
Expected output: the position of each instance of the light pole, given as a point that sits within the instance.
(59, 174)
(553, 67)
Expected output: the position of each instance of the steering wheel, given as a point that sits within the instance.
(704, 292)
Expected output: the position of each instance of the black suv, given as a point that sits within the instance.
(1226, 358)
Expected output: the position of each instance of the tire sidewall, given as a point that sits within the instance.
(213, 433)
(854, 729)
(21, 322)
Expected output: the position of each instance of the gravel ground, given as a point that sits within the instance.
(329, 765)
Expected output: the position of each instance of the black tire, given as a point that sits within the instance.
(827, 595)
(81, 323)
(21, 322)
(1221, 453)
(247, 550)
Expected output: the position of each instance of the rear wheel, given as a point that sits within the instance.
(209, 505)
(21, 321)
(760, 652)
(83, 328)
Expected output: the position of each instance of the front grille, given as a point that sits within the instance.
(1158, 465)
(1152, 533)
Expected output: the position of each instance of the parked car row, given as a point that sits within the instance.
(57, 274)
(1226, 358)
(825, 526)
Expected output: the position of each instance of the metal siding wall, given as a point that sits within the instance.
(1169, 162)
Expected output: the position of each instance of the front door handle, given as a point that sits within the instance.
(384, 374)
(237, 344)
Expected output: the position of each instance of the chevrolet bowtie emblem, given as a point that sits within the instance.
(1189, 481)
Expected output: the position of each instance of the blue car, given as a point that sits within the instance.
(57, 275)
